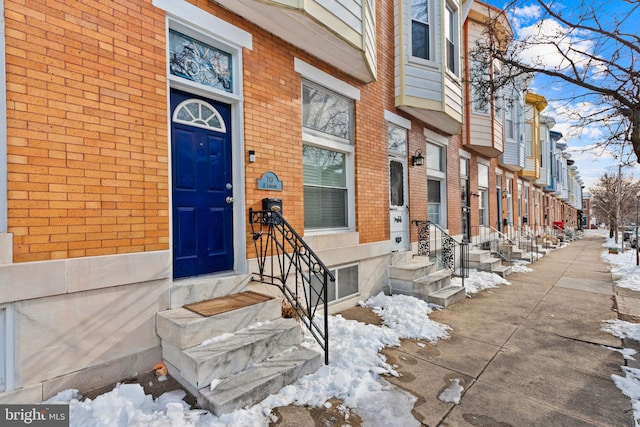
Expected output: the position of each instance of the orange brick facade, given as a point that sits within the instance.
(88, 155)
(86, 128)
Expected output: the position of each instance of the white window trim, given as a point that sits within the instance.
(456, 42)
(431, 62)
(313, 74)
(192, 21)
(344, 298)
(441, 141)
(204, 21)
(397, 120)
(318, 76)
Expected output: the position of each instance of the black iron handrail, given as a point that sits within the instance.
(492, 239)
(528, 242)
(284, 258)
(452, 254)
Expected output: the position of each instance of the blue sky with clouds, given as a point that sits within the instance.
(592, 162)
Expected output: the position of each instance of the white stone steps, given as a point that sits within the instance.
(423, 286)
(198, 365)
(488, 264)
(502, 270)
(183, 328)
(479, 255)
(259, 381)
(448, 295)
(412, 270)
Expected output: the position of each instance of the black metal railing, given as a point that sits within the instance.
(495, 241)
(436, 243)
(501, 245)
(528, 242)
(287, 262)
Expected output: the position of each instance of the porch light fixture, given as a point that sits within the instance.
(417, 159)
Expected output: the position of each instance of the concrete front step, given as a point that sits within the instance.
(448, 295)
(488, 264)
(423, 286)
(411, 270)
(222, 358)
(478, 255)
(183, 328)
(202, 288)
(521, 255)
(259, 381)
(502, 270)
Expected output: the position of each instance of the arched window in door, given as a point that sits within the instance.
(199, 113)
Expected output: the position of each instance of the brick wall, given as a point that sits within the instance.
(86, 128)
(273, 125)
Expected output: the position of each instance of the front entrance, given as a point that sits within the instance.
(399, 215)
(202, 185)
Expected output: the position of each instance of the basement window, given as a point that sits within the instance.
(347, 284)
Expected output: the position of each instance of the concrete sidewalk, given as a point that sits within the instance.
(529, 354)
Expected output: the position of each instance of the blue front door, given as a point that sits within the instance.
(202, 185)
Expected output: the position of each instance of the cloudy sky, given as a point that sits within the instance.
(528, 20)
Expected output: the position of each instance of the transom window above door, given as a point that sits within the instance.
(199, 62)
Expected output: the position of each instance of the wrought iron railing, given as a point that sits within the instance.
(436, 243)
(491, 239)
(528, 242)
(287, 262)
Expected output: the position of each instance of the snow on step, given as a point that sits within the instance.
(183, 328)
(198, 365)
(259, 381)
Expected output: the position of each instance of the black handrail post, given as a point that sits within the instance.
(286, 247)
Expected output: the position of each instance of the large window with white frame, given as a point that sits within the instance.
(479, 85)
(451, 38)
(483, 194)
(509, 191)
(421, 29)
(497, 96)
(436, 183)
(327, 120)
(509, 122)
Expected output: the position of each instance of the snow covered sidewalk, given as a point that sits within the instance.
(530, 351)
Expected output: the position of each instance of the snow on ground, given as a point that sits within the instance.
(629, 385)
(479, 281)
(521, 267)
(624, 265)
(354, 376)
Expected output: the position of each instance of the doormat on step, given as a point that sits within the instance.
(227, 303)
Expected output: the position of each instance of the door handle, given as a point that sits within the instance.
(229, 199)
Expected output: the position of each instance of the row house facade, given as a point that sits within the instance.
(138, 136)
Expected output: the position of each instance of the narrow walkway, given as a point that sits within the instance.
(529, 354)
